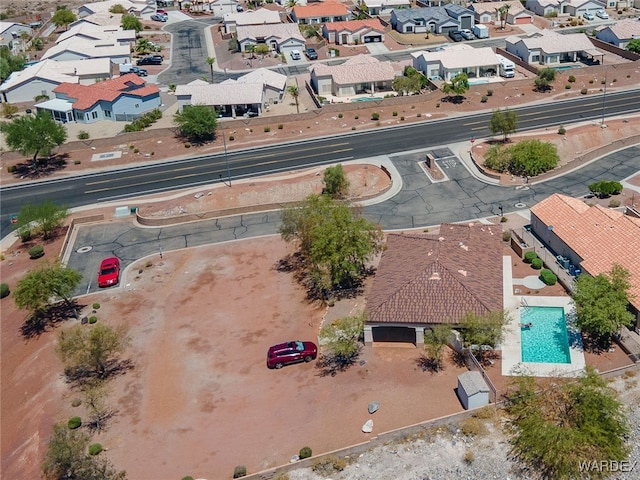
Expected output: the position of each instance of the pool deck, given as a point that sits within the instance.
(511, 347)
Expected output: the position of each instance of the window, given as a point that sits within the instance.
(80, 115)
(94, 115)
(107, 113)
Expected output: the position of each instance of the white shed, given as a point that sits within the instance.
(472, 390)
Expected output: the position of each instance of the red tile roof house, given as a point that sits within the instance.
(426, 280)
(593, 238)
(354, 31)
(317, 13)
(124, 98)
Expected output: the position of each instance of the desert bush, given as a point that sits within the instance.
(530, 256)
(584, 91)
(267, 129)
(11, 169)
(506, 236)
(356, 117)
(469, 456)
(280, 126)
(572, 79)
(188, 477)
(4, 290)
(93, 319)
(187, 145)
(329, 465)
(95, 449)
(591, 81)
(489, 93)
(536, 263)
(395, 114)
(240, 471)
(305, 452)
(613, 203)
(472, 427)
(231, 138)
(375, 116)
(74, 422)
(95, 306)
(77, 162)
(340, 115)
(562, 131)
(504, 219)
(567, 86)
(484, 99)
(402, 118)
(419, 114)
(83, 135)
(36, 251)
(548, 277)
(76, 402)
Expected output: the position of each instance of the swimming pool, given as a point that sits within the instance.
(566, 67)
(478, 81)
(366, 99)
(546, 341)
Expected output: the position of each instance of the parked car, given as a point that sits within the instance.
(467, 34)
(311, 53)
(291, 352)
(295, 55)
(141, 72)
(602, 14)
(109, 273)
(151, 60)
(588, 16)
(455, 35)
(159, 18)
(162, 12)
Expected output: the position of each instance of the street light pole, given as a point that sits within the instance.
(226, 159)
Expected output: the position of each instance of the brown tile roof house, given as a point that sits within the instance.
(329, 11)
(353, 30)
(438, 278)
(599, 236)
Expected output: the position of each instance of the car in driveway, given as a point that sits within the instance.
(467, 34)
(291, 352)
(141, 72)
(156, 17)
(602, 14)
(456, 35)
(295, 55)
(109, 273)
(311, 53)
(151, 60)
(588, 16)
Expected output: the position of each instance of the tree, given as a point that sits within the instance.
(262, 49)
(294, 91)
(92, 353)
(210, 62)
(67, 458)
(131, 22)
(363, 10)
(43, 218)
(435, 340)
(634, 45)
(533, 157)
(405, 85)
(336, 184)
(503, 12)
(566, 425)
(545, 77)
(498, 158)
(198, 122)
(604, 188)
(601, 304)
(504, 122)
(458, 85)
(10, 63)
(63, 17)
(118, 9)
(32, 134)
(342, 341)
(143, 45)
(41, 287)
(335, 242)
(485, 329)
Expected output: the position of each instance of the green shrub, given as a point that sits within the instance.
(536, 263)
(188, 477)
(489, 93)
(419, 115)
(93, 319)
(280, 126)
(584, 91)
(11, 169)
(356, 117)
(548, 277)
(613, 203)
(375, 116)
(340, 115)
(25, 236)
(567, 86)
(506, 236)
(484, 99)
(74, 422)
(187, 145)
(572, 79)
(267, 129)
(240, 471)
(305, 452)
(36, 251)
(402, 118)
(591, 81)
(353, 128)
(83, 135)
(231, 138)
(95, 306)
(529, 256)
(4, 290)
(562, 131)
(504, 219)
(395, 114)
(95, 449)
(77, 162)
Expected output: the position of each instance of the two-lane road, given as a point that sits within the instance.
(119, 184)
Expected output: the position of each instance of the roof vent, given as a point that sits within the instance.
(463, 246)
(441, 239)
(462, 272)
(434, 276)
(430, 253)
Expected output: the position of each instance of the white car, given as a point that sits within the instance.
(296, 55)
(587, 16)
(467, 34)
(602, 14)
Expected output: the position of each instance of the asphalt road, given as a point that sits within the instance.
(166, 176)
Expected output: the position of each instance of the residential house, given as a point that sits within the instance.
(487, 12)
(123, 98)
(451, 61)
(359, 74)
(438, 20)
(354, 31)
(575, 8)
(547, 47)
(246, 96)
(323, 12)
(10, 33)
(99, 19)
(136, 8)
(261, 16)
(384, 7)
(620, 33)
(592, 238)
(89, 32)
(72, 49)
(427, 280)
(280, 37)
(217, 8)
(42, 77)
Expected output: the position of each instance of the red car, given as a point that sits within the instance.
(291, 352)
(109, 273)
(161, 12)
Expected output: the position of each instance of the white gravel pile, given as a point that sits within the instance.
(450, 454)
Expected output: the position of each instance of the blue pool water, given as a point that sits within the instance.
(546, 341)
(366, 99)
(478, 81)
(566, 67)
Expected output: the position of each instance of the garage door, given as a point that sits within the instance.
(523, 20)
(373, 38)
(394, 334)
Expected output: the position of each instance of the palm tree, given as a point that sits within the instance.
(210, 62)
(143, 45)
(295, 93)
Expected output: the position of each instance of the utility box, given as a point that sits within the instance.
(481, 31)
(472, 390)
